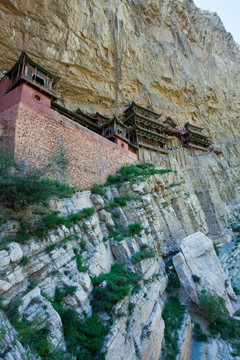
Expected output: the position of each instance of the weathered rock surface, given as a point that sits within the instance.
(168, 54)
(168, 213)
(10, 347)
(180, 61)
(185, 339)
(197, 257)
(37, 309)
(212, 349)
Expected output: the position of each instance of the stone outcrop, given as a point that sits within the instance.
(10, 346)
(197, 257)
(168, 210)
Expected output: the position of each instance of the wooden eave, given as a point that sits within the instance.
(193, 126)
(102, 116)
(37, 86)
(152, 147)
(152, 135)
(199, 137)
(170, 122)
(88, 117)
(136, 147)
(146, 120)
(117, 122)
(77, 118)
(134, 105)
(195, 146)
(31, 62)
(198, 134)
(200, 141)
(173, 131)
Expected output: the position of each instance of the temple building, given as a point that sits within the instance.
(194, 138)
(26, 74)
(35, 125)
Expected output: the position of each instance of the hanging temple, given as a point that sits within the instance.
(29, 100)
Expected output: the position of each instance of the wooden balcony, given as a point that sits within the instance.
(153, 147)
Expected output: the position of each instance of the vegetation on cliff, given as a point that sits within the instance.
(22, 185)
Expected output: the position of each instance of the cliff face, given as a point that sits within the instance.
(135, 225)
(166, 54)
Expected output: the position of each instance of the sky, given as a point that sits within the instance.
(229, 12)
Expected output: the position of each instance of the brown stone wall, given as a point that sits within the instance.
(2, 127)
(81, 156)
(2, 132)
(8, 121)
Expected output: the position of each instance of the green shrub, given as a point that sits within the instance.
(117, 235)
(32, 284)
(216, 249)
(121, 232)
(60, 294)
(3, 353)
(198, 334)
(165, 204)
(172, 185)
(85, 213)
(135, 229)
(24, 261)
(120, 282)
(50, 221)
(12, 311)
(196, 278)
(120, 200)
(236, 227)
(130, 173)
(131, 307)
(79, 263)
(228, 328)
(213, 306)
(236, 290)
(84, 338)
(99, 190)
(173, 316)
(21, 185)
(145, 253)
(32, 334)
(145, 332)
(173, 281)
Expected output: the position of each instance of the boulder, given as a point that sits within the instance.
(198, 257)
(15, 252)
(37, 309)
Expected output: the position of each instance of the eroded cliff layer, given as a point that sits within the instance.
(166, 54)
(102, 263)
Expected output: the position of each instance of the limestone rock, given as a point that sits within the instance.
(98, 201)
(15, 252)
(9, 343)
(4, 259)
(185, 337)
(9, 229)
(197, 257)
(4, 286)
(37, 308)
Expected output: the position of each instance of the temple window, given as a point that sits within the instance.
(108, 132)
(38, 79)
